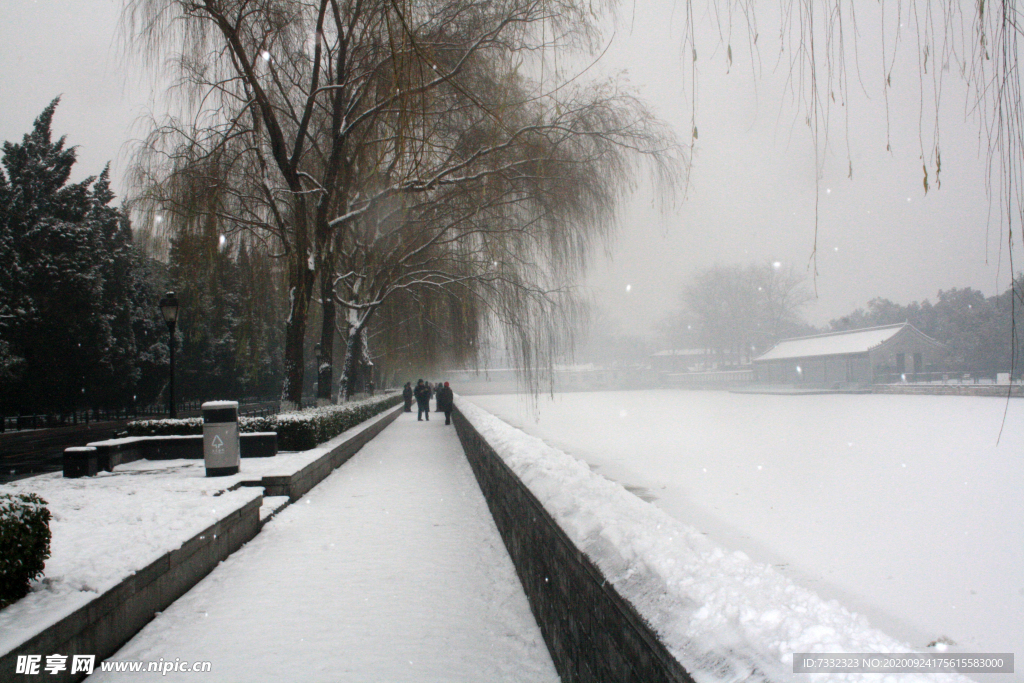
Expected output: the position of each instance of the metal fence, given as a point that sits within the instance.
(713, 378)
(252, 406)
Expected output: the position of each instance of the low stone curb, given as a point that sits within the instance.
(299, 483)
(110, 620)
(103, 625)
(996, 390)
(104, 456)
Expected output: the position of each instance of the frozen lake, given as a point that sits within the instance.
(902, 508)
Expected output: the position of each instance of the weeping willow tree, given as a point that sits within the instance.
(495, 217)
(828, 50)
(826, 57)
(386, 146)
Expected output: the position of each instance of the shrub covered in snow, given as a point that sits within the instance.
(302, 430)
(24, 543)
(179, 427)
(296, 431)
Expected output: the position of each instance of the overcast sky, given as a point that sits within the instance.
(751, 195)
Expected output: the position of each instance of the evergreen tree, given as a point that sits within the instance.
(68, 282)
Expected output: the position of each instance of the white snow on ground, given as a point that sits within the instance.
(901, 507)
(105, 528)
(390, 570)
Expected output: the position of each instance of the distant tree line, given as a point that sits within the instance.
(735, 313)
(978, 331)
(231, 302)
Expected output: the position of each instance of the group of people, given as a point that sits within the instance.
(423, 392)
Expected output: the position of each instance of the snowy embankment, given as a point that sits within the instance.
(905, 509)
(105, 528)
(721, 614)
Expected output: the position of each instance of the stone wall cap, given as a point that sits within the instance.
(220, 404)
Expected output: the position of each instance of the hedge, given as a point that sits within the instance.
(24, 543)
(296, 431)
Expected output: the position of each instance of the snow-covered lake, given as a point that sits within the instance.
(902, 508)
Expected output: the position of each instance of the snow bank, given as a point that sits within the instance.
(209, 405)
(723, 616)
(107, 527)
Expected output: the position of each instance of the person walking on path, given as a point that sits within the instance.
(446, 402)
(422, 394)
(437, 395)
(407, 395)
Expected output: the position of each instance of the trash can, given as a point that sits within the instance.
(221, 447)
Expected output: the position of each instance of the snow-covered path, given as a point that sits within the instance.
(390, 570)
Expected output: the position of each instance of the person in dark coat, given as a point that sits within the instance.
(446, 402)
(437, 392)
(407, 395)
(422, 394)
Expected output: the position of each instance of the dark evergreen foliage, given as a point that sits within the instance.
(229, 336)
(76, 308)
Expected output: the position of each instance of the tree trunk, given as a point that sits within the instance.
(300, 288)
(325, 371)
(353, 379)
(353, 349)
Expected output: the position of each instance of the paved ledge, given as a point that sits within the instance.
(103, 625)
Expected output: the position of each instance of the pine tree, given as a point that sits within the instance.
(66, 275)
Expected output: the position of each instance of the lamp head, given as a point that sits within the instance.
(169, 308)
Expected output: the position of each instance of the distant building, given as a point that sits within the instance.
(678, 360)
(886, 354)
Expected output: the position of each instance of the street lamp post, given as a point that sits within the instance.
(169, 309)
(318, 354)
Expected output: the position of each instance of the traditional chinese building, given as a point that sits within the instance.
(890, 353)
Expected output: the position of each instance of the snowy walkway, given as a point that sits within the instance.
(390, 570)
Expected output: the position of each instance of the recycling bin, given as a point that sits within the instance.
(221, 446)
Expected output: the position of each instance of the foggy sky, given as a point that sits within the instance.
(751, 192)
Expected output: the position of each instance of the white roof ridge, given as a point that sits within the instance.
(836, 333)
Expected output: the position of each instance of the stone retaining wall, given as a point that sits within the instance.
(998, 390)
(593, 633)
(106, 623)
